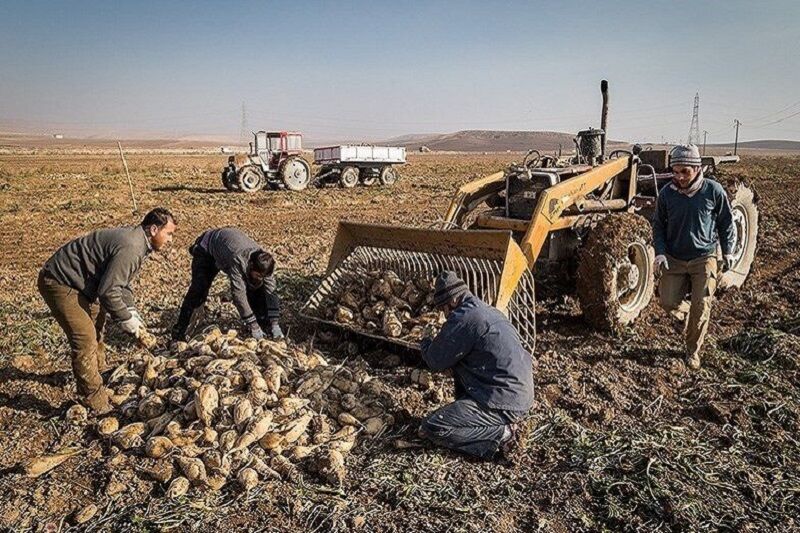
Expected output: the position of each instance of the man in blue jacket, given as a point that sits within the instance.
(693, 217)
(492, 371)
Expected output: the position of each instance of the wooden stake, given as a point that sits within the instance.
(130, 183)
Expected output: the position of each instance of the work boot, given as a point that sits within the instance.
(693, 361)
(98, 402)
(515, 437)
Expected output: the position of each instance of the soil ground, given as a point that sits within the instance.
(624, 437)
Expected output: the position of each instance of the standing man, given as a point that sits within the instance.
(100, 267)
(693, 216)
(492, 371)
(250, 270)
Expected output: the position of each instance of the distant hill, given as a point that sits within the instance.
(764, 145)
(489, 141)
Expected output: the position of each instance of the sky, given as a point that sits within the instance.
(373, 70)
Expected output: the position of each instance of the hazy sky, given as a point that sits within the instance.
(373, 70)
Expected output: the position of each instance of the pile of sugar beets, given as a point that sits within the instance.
(380, 301)
(221, 408)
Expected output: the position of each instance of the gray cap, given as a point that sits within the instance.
(685, 154)
(448, 286)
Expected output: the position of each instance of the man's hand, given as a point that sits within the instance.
(132, 325)
(429, 331)
(661, 263)
(276, 331)
(256, 332)
(134, 312)
(727, 262)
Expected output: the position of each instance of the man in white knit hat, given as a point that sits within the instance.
(693, 217)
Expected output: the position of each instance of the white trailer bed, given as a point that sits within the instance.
(335, 155)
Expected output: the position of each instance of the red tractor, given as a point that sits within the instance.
(274, 161)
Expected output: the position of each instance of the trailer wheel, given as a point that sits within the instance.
(745, 223)
(296, 173)
(388, 175)
(368, 177)
(615, 278)
(348, 178)
(250, 178)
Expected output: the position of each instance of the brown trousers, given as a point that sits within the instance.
(698, 278)
(82, 322)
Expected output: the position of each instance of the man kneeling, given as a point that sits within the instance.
(492, 371)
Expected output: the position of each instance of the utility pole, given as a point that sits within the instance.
(736, 142)
(243, 126)
(694, 127)
(705, 136)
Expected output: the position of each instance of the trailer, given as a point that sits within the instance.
(349, 164)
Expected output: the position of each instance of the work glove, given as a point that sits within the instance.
(255, 331)
(134, 312)
(132, 325)
(661, 262)
(727, 262)
(276, 332)
(429, 331)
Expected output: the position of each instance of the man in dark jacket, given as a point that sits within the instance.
(250, 271)
(492, 371)
(693, 217)
(100, 267)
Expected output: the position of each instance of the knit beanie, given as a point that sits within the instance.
(448, 286)
(685, 154)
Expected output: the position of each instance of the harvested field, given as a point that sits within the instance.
(624, 437)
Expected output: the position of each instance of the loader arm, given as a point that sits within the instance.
(472, 194)
(554, 200)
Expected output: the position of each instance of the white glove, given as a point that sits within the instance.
(727, 262)
(132, 325)
(134, 312)
(256, 332)
(661, 262)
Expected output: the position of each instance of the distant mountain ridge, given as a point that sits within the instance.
(766, 144)
(490, 141)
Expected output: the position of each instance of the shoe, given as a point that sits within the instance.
(512, 446)
(98, 402)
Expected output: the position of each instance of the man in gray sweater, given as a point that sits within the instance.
(693, 217)
(492, 371)
(99, 267)
(250, 271)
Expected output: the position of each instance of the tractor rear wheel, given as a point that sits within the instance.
(615, 277)
(250, 178)
(388, 175)
(296, 173)
(348, 178)
(745, 223)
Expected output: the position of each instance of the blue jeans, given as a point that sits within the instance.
(468, 427)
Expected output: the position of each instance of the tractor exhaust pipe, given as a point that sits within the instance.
(603, 119)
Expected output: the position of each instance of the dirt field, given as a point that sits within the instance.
(625, 438)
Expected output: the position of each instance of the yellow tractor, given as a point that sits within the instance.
(503, 230)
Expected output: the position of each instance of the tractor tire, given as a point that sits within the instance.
(348, 178)
(745, 223)
(388, 176)
(295, 173)
(249, 178)
(229, 180)
(367, 177)
(615, 277)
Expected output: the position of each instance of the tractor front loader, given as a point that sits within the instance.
(592, 208)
